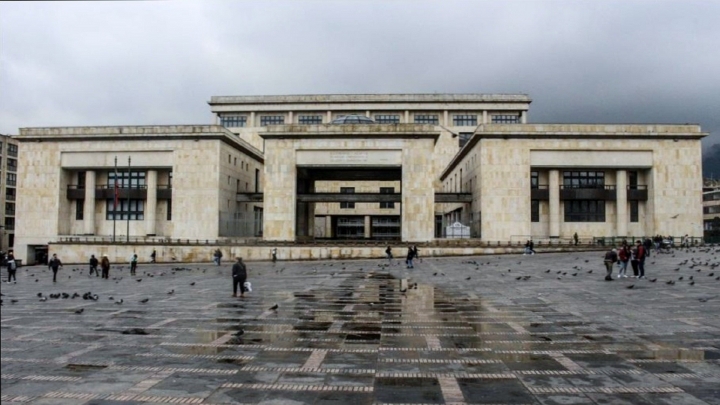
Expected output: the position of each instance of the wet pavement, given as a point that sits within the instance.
(542, 329)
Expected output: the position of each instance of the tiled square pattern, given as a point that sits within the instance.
(468, 330)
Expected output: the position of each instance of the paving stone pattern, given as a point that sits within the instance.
(541, 329)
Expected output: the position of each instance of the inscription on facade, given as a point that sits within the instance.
(348, 157)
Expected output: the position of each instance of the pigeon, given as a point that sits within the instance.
(39, 295)
(468, 278)
(692, 283)
(671, 282)
(43, 299)
(171, 292)
(139, 280)
(119, 302)
(144, 301)
(80, 311)
(434, 274)
(134, 331)
(193, 283)
(36, 280)
(574, 274)
(239, 333)
(630, 287)
(547, 271)
(690, 278)
(274, 307)
(711, 274)
(518, 278)
(590, 271)
(653, 280)
(681, 278)
(707, 298)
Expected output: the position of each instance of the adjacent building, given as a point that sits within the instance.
(8, 184)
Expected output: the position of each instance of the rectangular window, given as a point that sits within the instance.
(464, 138)
(310, 119)
(134, 208)
(387, 190)
(79, 209)
(505, 119)
(169, 210)
(12, 150)
(534, 179)
(9, 223)
(10, 194)
(12, 164)
(11, 179)
(387, 119)
(465, 120)
(534, 210)
(266, 120)
(134, 179)
(584, 179)
(233, 121)
(633, 180)
(584, 211)
(347, 190)
(81, 180)
(427, 119)
(10, 209)
(634, 211)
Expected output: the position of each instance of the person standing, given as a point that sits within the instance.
(409, 258)
(217, 256)
(153, 255)
(575, 237)
(642, 253)
(133, 264)
(634, 261)
(647, 244)
(388, 253)
(105, 266)
(54, 264)
(274, 255)
(416, 254)
(12, 267)
(624, 257)
(94, 266)
(610, 258)
(239, 274)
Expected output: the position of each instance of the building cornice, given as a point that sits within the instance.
(391, 131)
(140, 134)
(371, 98)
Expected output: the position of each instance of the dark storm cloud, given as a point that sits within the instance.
(108, 63)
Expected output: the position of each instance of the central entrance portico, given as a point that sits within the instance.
(296, 156)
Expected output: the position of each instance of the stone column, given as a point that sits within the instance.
(446, 118)
(290, 117)
(329, 117)
(89, 207)
(279, 190)
(485, 117)
(418, 194)
(523, 117)
(252, 119)
(368, 228)
(151, 202)
(554, 191)
(367, 113)
(303, 211)
(621, 203)
(328, 226)
(407, 116)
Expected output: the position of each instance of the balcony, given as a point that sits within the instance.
(104, 192)
(637, 193)
(540, 192)
(607, 193)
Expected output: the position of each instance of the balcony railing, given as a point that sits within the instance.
(539, 192)
(585, 192)
(107, 192)
(637, 193)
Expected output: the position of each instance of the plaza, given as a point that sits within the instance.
(492, 329)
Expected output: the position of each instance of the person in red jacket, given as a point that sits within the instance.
(641, 255)
(623, 257)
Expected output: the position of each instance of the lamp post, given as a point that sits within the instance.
(128, 202)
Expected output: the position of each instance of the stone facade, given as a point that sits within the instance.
(8, 190)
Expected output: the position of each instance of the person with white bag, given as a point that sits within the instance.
(239, 273)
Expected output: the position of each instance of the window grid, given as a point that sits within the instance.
(310, 119)
(9, 208)
(387, 190)
(12, 150)
(505, 119)
(11, 179)
(10, 223)
(12, 164)
(534, 179)
(272, 120)
(134, 208)
(534, 210)
(347, 190)
(79, 209)
(387, 119)
(233, 121)
(427, 119)
(134, 179)
(584, 211)
(584, 179)
(465, 120)
(634, 211)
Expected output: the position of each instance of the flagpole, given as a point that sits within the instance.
(115, 201)
(128, 201)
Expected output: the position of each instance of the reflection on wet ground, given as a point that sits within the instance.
(453, 330)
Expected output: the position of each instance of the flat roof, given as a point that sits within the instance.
(371, 98)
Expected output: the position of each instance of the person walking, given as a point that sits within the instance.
(239, 274)
(634, 261)
(647, 244)
(54, 264)
(388, 253)
(623, 257)
(105, 266)
(415, 253)
(575, 237)
(133, 264)
(12, 267)
(409, 258)
(610, 258)
(153, 255)
(217, 256)
(642, 253)
(94, 266)
(274, 255)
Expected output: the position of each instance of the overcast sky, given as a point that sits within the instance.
(136, 63)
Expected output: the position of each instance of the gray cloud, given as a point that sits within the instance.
(108, 63)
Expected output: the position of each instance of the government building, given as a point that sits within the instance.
(402, 168)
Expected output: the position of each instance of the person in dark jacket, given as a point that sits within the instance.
(94, 266)
(54, 264)
(409, 258)
(105, 266)
(12, 267)
(239, 274)
(610, 258)
(642, 253)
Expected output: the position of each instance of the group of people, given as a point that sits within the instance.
(625, 254)
(412, 254)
